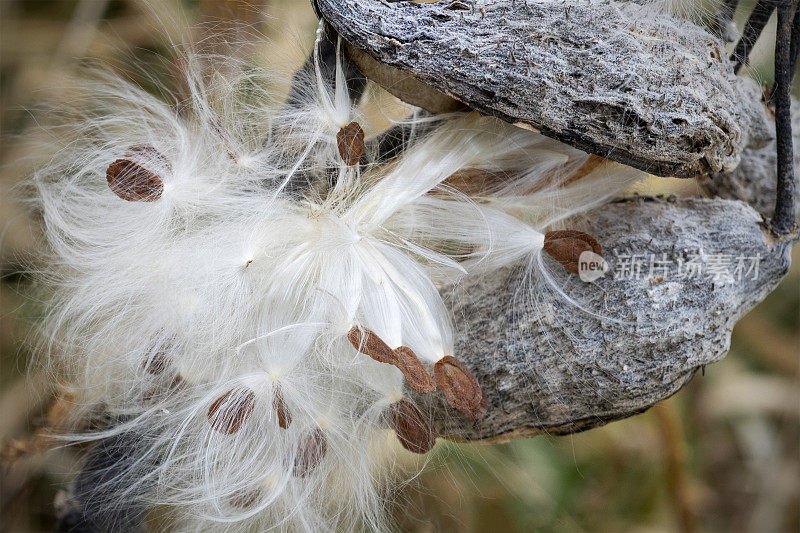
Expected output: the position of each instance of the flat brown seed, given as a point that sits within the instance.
(416, 375)
(460, 386)
(414, 428)
(245, 499)
(157, 363)
(566, 247)
(310, 451)
(479, 411)
(281, 410)
(231, 410)
(132, 182)
(367, 342)
(350, 141)
(147, 155)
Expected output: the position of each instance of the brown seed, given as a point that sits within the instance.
(309, 453)
(147, 156)
(152, 395)
(413, 427)
(480, 410)
(157, 363)
(350, 141)
(367, 342)
(245, 499)
(161, 391)
(566, 247)
(231, 410)
(460, 387)
(177, 382)
(56, 420)
(280, 408)
(132, 182)
(416, 375)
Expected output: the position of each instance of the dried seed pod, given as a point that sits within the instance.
(413, 427)
(566, 247)
(460, 387)
(350, 141)
(280, 408)
(309, 453)
(367, 342)
(416, 375)
(145, 153)
(132, 182)
(231, 410)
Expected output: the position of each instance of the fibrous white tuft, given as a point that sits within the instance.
(245, 287)
(689, 9)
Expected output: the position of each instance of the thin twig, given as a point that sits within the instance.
(752, 31)
(783, 221)
(728, 9)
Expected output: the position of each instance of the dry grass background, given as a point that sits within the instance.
(722, 455)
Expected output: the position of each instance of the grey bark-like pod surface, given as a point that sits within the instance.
(552, 368)
(754, 180)
(656, 94)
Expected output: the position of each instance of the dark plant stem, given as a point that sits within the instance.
(783, 220)
(752, 30)
(729, 9)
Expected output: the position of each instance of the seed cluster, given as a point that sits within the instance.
(131, 181)
(258, 294)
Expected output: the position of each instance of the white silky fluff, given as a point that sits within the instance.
(242, 281)
(689, 9)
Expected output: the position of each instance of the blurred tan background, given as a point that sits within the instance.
(722, 455)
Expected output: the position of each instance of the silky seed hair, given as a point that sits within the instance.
(696, 10)
(247, 289)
